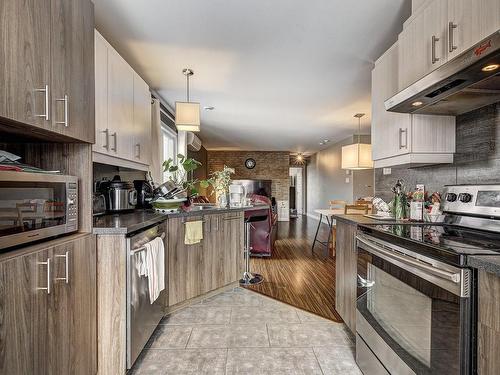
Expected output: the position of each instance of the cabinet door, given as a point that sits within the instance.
(412, 52)
(101, 94)
(23, 308)
(120, 106)
(25, 57)
(232, 246)
(211, 272)
(72, 56)
(142, 121)
(184, 265)
(72, 309)
(390, 130)
(435, 34)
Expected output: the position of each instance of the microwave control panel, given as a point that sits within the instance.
(72, 206)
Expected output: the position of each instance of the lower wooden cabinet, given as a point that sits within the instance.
(48, 310)
(488, 326)
(346, 273)
(197, 269)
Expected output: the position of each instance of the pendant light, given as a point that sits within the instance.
(358, 155)
(187, 114)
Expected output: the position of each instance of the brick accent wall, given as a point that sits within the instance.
(270, 165)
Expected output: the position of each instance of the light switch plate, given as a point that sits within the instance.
(347, 180)
(387, 171)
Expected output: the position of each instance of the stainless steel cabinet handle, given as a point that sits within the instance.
(434, 59)
(47, 263)
(66, 107)
(401, 132)
(46, 91)
(106, 146)
(231, 218)
(451, 34)
(138, 150)
(114, 142)
(66, 275)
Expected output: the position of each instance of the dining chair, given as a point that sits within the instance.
(363, 202)
(335, 204)
(356, 209)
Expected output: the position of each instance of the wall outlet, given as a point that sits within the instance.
(387, 171)
(347, 180)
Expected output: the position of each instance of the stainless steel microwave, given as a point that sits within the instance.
(34, 206)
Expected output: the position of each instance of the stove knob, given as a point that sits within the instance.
(465, 197)
(451, 197)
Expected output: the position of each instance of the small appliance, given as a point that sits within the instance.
(236, 195)
(144, 193)
(35, 206)
(98, 204)
(120, 195)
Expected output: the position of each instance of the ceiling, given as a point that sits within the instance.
(281, 74)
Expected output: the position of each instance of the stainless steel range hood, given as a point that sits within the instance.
(469, 81)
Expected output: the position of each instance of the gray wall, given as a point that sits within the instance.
(326, 180)
(477, 159)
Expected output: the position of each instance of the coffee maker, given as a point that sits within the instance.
(236, 195)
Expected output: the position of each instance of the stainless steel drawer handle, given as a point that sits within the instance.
(66, 276)
(114, 142)
(142, 248)
(377, 250)
(451, 36)
(65, 100)
(401, 132)
(47, 263)
(231, 218)
(434, 58)
(46, 91)
(138, 150)
(106, 133)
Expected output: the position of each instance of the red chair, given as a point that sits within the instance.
(263, 233)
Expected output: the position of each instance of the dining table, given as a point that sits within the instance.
(328, 213)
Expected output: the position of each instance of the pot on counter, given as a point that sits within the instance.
(120, 195)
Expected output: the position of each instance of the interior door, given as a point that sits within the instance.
(72, 51)
(23, 308)
(25, 57)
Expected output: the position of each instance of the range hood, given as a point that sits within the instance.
(469, 81)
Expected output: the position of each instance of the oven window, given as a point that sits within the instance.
(29, 206)
(417, 319)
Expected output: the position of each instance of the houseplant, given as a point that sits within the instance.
(220, 181)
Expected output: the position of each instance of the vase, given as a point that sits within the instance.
(222, 201)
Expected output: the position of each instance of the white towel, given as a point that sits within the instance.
(140, 263)
(155, 265)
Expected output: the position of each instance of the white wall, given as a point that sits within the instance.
(326, 180)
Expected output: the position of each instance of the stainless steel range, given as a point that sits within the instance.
(417, 302)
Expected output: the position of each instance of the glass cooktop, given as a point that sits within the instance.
(445, 237)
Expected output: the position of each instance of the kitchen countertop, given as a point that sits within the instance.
(488, 263)
(363, 220)
(133, 221)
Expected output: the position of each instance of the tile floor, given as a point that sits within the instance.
(242, 332)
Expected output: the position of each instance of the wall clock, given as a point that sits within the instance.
(250, 163)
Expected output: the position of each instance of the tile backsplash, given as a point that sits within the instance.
(477, 159)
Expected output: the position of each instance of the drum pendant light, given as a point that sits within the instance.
(187, 114)
(358, 155)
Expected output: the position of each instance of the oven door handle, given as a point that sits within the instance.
(409, 261)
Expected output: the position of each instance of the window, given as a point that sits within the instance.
(169, 147)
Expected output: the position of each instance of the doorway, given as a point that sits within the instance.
(297, 192)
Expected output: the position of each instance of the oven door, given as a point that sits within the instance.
(413, 312)
(36, 206)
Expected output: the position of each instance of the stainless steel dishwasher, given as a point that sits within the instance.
(142, 316)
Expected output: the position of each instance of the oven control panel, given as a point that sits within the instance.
(483, 200)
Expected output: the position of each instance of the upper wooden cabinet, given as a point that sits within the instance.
(123, 110)
(47, 56)
(400, 139)
(440, 30)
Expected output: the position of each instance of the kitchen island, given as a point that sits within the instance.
(191, 270)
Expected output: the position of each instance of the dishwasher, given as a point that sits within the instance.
(142, 316)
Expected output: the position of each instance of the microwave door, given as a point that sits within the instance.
(410, 313)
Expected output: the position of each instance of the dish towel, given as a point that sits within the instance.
(155, 265)
(194, 232)
(140, 263)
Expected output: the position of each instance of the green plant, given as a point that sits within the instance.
(219, 180)
(181, 174)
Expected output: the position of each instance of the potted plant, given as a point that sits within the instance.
(220, 181)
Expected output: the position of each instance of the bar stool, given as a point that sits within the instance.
(248, 277)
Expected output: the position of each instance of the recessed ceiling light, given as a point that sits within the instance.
(321, 143)
(417, 104)
(326, 140)
(490, 67)
(209, 108)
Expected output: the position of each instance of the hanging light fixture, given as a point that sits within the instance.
(358, 155)
(300, 159)
(187, 114)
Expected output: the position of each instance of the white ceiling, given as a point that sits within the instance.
(281, 74)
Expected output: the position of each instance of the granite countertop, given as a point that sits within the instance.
(133, 221)
(363, 220)
(488, 263)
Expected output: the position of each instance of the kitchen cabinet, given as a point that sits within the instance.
(346, 273)
(48, 309)
(47, 51)
(215, 262)
(488, 323)
(123, 110)
(400, 139)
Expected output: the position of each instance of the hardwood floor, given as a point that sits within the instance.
(294, 274)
